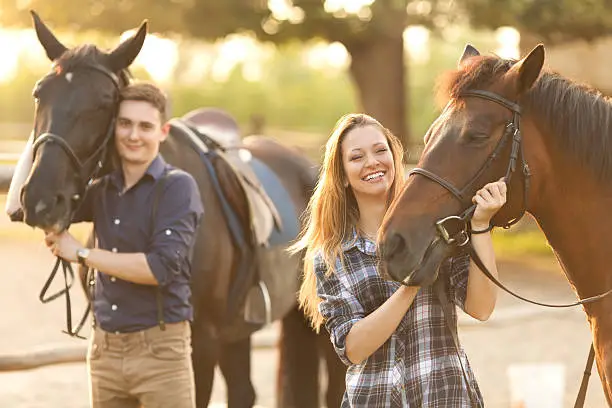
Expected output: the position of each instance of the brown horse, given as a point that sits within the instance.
(73, 131)
(560, 171)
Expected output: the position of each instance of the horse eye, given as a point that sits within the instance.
(476, 136)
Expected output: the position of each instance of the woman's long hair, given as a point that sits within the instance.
(332, 211)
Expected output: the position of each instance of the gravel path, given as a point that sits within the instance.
(517, 333)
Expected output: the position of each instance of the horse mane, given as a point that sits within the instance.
(579, 116)
(88, 54)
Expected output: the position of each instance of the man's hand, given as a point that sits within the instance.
(63, 245)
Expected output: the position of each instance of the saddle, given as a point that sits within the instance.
(263, 213)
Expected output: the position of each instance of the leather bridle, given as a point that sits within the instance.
(454, 230)
(86, 174)
(98, 155)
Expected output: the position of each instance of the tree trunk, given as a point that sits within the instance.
(378, 71)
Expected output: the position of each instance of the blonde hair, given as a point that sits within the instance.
(332, 211)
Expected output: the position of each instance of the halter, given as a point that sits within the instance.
(98, 155)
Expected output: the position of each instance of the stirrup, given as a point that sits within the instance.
(258, 306)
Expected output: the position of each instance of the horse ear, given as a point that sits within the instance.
(52, 46)
(468, 52)
(526, 71)
(124, 54)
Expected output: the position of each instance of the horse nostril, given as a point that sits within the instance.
(59, 200)
(394, 245)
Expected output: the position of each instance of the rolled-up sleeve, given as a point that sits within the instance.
(458, 268)
(178, 214)
(339, 307)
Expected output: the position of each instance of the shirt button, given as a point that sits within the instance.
(168, 232)
(113, 279)
(117, 221)
(114, 307)
(114, 249)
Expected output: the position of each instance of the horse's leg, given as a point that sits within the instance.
(336, 371)
(298, 377)
(235, 364)
(205, 355)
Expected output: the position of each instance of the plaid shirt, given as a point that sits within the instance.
(418, 365)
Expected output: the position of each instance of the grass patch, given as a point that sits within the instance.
(509, 244)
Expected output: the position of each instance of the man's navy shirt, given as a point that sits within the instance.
(124, 223)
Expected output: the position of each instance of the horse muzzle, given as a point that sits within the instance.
(403, 263)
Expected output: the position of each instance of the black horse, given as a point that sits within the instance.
(76, 104)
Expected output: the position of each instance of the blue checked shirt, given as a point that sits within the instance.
(418, 365)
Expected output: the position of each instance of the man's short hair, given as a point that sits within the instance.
(147, 92)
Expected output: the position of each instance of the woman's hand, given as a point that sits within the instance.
(488, 200)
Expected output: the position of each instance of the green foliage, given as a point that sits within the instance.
(212, 19)
(290, 95)
(444, 54)
(554, 21)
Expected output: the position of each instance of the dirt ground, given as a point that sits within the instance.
(516, 334)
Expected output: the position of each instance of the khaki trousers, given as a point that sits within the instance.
(150, 368)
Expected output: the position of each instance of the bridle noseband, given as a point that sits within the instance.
(98, 155)
(455, 228)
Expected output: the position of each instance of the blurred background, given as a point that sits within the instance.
(292, 67)
(289, 69)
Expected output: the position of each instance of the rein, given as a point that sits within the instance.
(85, 178)
(454, 230)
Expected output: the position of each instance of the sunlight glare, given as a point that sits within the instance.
(346, 6)
(239, 49)
(284, 10)
(327, 57)
(416, 43)
(196, 61)
(11, 51)
(159, 56)
(508, 40)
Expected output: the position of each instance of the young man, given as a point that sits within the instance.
(140, 351)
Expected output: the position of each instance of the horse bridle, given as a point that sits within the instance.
(85, 178)
(98, 155)
(460, 235)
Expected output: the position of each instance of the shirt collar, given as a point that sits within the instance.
(364, 244)
(155, 171)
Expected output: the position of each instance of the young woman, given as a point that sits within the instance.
(393, 337)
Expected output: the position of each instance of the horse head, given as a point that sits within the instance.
(474, 141)
(76, 105)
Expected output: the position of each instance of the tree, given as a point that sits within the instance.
(553, 21)
(372, 33)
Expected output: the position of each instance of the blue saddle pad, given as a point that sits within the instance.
(281, 199)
